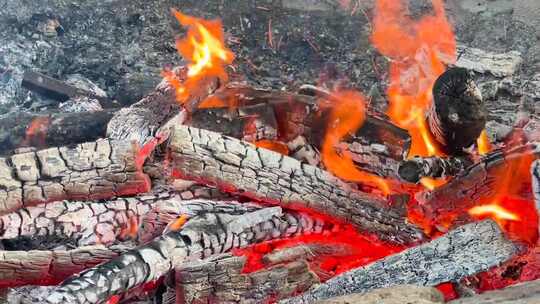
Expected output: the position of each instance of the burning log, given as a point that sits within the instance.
(414, 169)
(44, 130)
(390, 295)
(93, 170)
(457, 115)
(217, 228)
(528, 292)
(221, 279)
(462, 252)
(535, 174)
(37, 267)
(260, 174)
(483, 180)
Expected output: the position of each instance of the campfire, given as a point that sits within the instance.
(216, 188)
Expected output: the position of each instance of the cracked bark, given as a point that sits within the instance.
(215, 228)
(462, 252)
(39, 267)
(221, 279)
(270, 177)
(93, 170)
(476, 183)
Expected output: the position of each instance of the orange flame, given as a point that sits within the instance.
(204, 48)
(347, 116)
(36, 133)
(273, 145)
(417, 49)
(484, 146)
(495, 210)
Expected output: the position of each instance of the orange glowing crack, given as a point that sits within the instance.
(178, 223)
(484, 146)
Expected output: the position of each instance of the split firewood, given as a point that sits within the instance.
(220, 279)
(457, 115)
(93, 170)
(44, 130)
(476, 182)
(522, 293)
(263, 175)
(414, 169)
(217, 228)
(462, 252)
(37, 267)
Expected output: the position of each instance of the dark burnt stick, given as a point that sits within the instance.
(43, 130)
(457, 115)
(414, 169)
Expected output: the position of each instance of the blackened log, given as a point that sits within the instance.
(23, 129)
(57, 90)
(40, 267)
(93, 170)
(263, 175)
(414, 169)
(478, 182)
(143, 120)
(217, 228)
(522, 293)
(462, 252)
(250, 123)
(221, 280)
(457, 115)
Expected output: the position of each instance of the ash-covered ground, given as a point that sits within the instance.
(123, 45)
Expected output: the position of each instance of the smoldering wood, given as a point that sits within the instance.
(462, 252)
(221, 279)
(51, 129)
(217, 228)
(414, 169)
(377, 146)
(392, 295)
(57, 90)
(476, 182)
(457, 115)
(143, 120)
(305, 252)
(37, 267)
(522, 293)
(250, 123)
(263, 175)
(92, 170)
(535, 182)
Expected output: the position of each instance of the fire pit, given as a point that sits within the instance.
(301, 151)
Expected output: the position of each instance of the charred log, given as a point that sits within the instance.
(23, 129)
(221, 279)
(457, 115)
(93, 170)
(528, 292)
(217, 228)
(462, 252)
(270, 177)
(37, 267)
(414, 169)
(58, 90)
(478, 182)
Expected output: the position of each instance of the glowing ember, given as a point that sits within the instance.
(36, 132)
(204, 48)
(273, 145)
(494, 210)
(348, 114)
(178, 223)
